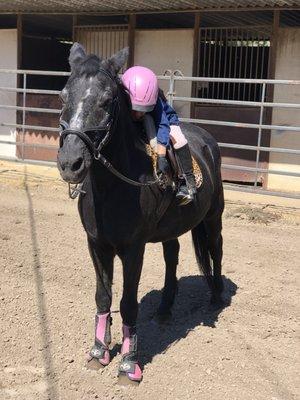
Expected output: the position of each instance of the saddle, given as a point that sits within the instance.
(175, 174)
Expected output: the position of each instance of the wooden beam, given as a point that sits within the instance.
(272, 59)
(19, 48)
(19, 40)
(273, 48)
(161, 11)
(270, 88)
(196, 44)
(74, 23)
(131, 39)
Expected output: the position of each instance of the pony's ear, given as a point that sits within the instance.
(77, 54)
(117, 61)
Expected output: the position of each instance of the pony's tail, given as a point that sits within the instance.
(199, 236)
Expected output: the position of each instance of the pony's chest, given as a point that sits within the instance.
(119, 224)
(116, 217)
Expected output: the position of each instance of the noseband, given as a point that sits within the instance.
(95, 151)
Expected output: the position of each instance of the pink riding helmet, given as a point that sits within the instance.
(142, 85)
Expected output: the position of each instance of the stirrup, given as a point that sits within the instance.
(184, 200)
(186, 192)
(184, 196)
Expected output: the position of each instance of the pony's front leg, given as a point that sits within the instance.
(102, 256)
(132, 260)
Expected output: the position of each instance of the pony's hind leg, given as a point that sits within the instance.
(102, 256)
(213, 227)
(171, 251)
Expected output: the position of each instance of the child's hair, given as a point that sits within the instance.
(162, 95)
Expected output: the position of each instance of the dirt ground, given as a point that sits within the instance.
(249, 350)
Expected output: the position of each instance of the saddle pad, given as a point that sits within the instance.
(167, 182)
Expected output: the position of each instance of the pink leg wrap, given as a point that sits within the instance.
(177, 137)
(126, 340)
(129, 349)
(101, 326)
(100, 350)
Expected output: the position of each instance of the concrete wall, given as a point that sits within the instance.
(8, 59)
(167, 49)
(287, 67)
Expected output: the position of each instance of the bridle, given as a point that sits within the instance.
(65, 130)
(95, 151)
(83, 134)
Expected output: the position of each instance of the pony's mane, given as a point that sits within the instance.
(124, 91)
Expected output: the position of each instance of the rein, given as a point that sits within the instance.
(96, 150)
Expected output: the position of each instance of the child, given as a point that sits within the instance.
(161, 122)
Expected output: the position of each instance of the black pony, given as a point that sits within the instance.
(120, 206)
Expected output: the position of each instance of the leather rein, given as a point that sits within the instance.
(94, 150)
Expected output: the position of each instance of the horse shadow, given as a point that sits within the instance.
(191, 309)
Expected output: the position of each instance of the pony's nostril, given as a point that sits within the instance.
(77, 164)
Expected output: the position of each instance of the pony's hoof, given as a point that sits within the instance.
(123, 380)
(98, 357)
(130, 373)
(94, 364)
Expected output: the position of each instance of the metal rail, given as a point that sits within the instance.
(31, 109)
(172, 77)
(242, 124)
(235, 102)
(178, 77)
(260, 126)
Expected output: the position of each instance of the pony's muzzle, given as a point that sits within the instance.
(73, 160)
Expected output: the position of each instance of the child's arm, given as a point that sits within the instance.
(171, 114)
(163, 127)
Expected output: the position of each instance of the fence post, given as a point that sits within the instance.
(261, 114)
(170, 94)
(23, 114)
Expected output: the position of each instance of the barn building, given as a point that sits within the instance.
(244, 39)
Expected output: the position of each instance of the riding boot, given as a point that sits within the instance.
(187, 186)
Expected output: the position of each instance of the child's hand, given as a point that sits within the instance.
(162, 166)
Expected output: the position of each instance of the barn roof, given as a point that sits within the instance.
(138, 6)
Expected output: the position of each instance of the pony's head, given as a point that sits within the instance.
(89, 110)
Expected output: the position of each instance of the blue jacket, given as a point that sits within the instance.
(164, 116)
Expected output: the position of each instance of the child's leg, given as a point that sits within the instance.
(177, 137)
(186, 191)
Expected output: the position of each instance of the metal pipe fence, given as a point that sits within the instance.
(260, 126)
(172, 77)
